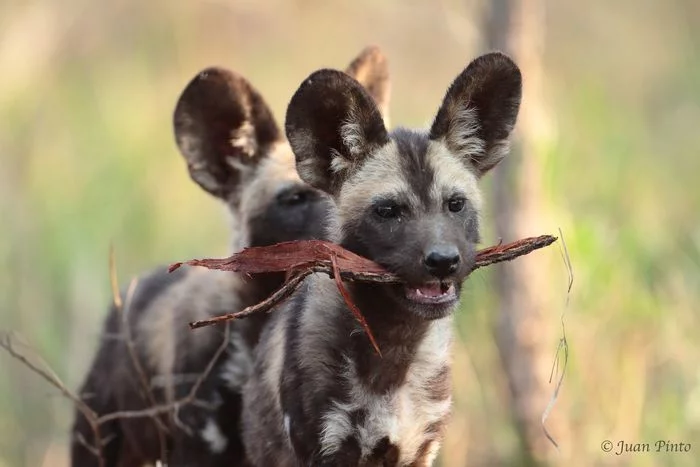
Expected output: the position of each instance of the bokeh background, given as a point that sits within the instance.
(607, 150)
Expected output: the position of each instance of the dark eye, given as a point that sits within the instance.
(456, 204)
(387, 210)
(293, 197)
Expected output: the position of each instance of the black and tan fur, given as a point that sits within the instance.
(235, 151)
(408, 200)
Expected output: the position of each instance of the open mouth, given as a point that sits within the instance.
(432, 293)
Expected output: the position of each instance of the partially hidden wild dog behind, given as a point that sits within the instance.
(236, 152)
(319, 394)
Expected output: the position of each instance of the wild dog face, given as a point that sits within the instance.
(408, 199)
(236, 152)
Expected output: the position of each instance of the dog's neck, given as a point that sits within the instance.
(400, 335)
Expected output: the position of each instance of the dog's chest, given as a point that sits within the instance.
(404, 423)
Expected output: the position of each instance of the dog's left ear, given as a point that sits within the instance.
(223, 128)
(479, 111)
(371, 70)
(332, 124)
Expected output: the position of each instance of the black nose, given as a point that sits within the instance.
(442, 261)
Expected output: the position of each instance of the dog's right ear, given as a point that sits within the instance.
(371, 70)
(332, 124)
(479, 111)
(223, 128)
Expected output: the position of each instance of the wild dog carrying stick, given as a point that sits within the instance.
(408, 200)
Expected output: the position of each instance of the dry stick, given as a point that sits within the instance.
(90, 415)
(278, 296)
(53, 380)
(188, 399)
(563, 344)
(278, 258)
(92, 418)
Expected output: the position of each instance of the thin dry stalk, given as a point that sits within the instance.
(122, 311)
(562, 346)
(6, 342)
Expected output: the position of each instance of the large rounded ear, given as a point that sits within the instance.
(223, 128)
(479, 111)
(371, 70)
(332, 124)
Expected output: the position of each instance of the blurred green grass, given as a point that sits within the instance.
(88, 159)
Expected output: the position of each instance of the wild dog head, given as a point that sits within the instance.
(408, 199)
(235, 151)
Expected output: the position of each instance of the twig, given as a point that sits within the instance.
(122, 310)
(91, 449)
(279, 296)
(92, 418)
(563, 345)
(6, 343)
(309, 256)
(164, 408)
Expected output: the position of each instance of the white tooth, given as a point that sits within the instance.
(418, 292)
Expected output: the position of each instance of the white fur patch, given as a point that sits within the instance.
(499, 150)
(274, 352)
(461, 135)
(353, 135)
(338, 162)
(432, 453)
(214, 437)
(239, 363)
(462, 140)
(403, 414)
(243, 138)
(287, 424)
(309, 167)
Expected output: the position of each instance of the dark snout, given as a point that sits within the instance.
(442, 260)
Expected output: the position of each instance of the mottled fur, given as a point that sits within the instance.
(409, 200)
(235, 151)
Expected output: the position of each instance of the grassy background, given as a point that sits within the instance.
(87, 158)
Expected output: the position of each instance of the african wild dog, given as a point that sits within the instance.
(408, 200)
(236, 152)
